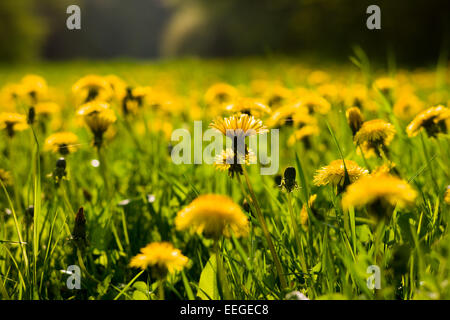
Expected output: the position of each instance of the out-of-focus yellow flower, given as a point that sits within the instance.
(249, 106)
(92, 87)
(334, 173)
(275, 96)
(315, 103)
(164, 102)
(374, 136)
(46, 108)
(213, 215)
(140, 93)
(5, 177)
(354, 119)
(239, 125)
(98, 116)
(406, 106)
(434, 120)
(383, 169)
(385, 84)
(220, 93)
(160, 125)
(285, 115)
(62, 142)
(381, 192)
(162, 257)
(118, 86)
(304, 211)
(9, 97)
(356, 95)
(33, 88)
(318, 77)
(13, 122)
(302, 133)
(331, 92)
(447, 195)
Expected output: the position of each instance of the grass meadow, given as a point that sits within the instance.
(309, 232)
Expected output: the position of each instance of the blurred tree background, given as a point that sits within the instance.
(416, 31)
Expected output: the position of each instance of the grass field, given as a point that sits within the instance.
(387, 205)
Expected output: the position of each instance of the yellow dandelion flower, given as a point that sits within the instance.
(33, 88)
(205, 215)
(164, 102)
(315, 103)
(356, 95)
(220, 93)
(318, 77)
(334, 173)
(92, 87)
(5, 177)
(285, 115)
(13, 122)
(62, 142)
(302, 134)
(407, 106)
(118, 86)
(249, 106)
(160, 125)
(434, 120)
(380, 192)
(331, 92)
(162, 257)
(141, 93)
(239, 125)
(385, 84)
(46, 108)
(374, 136)
(275, 96)
(9, 96)
(229, 160)
(383, 169)
(97, 115)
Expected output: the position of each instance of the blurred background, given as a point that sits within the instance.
(416, 32)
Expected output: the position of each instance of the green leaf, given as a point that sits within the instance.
(208, 287)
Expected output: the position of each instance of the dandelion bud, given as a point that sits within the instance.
(60, 170)
(87, 195)
(289, 179)
(354, 119)
(79, 229)
(246, 206)
(31, 115)
(278, 179)
(61, 163)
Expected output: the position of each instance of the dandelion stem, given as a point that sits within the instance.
(296, 233)
(261, 220)
(161, 289)
(427, 157)
(221, 272)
